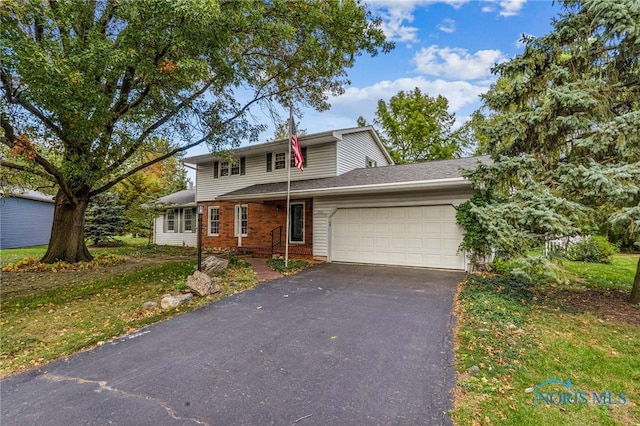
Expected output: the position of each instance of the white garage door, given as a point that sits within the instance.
(425, 236)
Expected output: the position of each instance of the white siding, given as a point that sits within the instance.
(324, 207)
(172, 238)
(354, 149)
(321, 162)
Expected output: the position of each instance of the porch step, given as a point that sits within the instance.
(265, 251)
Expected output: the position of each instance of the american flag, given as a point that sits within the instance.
(298, 159)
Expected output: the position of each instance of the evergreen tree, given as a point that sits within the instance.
(565, 132)
(105, 219)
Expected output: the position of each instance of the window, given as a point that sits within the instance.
(235, 168)
(296, 223)
(241, 220)
(304, 155)
(370, 162)
(214, 220)
(281, 160)
(189, 220)
(224, 168)
(171, 220)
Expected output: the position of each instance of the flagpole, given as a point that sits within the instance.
(286, 243)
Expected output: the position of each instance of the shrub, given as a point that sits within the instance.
(293, 265)
(594, 249)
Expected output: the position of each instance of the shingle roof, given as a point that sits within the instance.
(427, 171)
(28, 194)
(181, 198)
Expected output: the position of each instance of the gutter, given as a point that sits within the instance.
(357, 189)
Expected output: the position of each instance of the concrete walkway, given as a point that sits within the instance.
(262, 270)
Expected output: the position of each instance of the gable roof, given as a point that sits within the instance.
(304, 140)
(186, 197)
(427, 175)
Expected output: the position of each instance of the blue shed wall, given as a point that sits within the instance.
(24, 222)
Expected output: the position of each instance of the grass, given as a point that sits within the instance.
(126, 246)
(56, 322)
(518, 337)
(618, 274)
(293, 266)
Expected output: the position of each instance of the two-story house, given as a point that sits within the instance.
(350, 204)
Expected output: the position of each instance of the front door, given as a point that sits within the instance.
(296, 231)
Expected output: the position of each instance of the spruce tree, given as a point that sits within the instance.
(565, 132)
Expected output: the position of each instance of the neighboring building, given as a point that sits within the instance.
(351, 204)
(26, 218)
(176, 225)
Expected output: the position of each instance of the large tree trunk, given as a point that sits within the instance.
(67, 234)
(635, 290)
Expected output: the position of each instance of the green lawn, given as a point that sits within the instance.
(127, 246)
(72, 312)
(519, 336)
(618, 274)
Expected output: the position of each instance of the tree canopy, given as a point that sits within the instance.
(88, 84)
(564, 132)
(417, 127)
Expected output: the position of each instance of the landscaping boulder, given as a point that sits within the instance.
(201, 284)
(214, 265)
(175, 301)
(150, 305)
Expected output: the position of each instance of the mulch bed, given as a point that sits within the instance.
(611, 305)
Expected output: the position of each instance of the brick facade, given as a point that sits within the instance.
(262, 217)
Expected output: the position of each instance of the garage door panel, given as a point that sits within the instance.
(412, 236)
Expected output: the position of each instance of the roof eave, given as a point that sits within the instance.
(436, 184)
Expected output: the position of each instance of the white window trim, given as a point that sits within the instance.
(275, 161)
(303, 204)
(209, 221)
(175, 220)
(194, 220)
(227, 168)
(236, 219)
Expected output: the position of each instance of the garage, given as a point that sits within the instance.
(425, 236)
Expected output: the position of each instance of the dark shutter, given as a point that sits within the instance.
(242, 165)
(269, 161)
(304, 155)
(215, 169)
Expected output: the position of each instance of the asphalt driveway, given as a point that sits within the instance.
(333, 345)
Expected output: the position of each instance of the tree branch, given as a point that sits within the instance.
(177, 150)
(10, 138)
(143, 136)
(22, 168)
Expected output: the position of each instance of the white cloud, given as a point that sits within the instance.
(456, 63)
(364, 101)
(511, 7)
(448, 25)
(507, 7)
(397, 14)
(394, 28)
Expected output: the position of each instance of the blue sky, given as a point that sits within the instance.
(444, 47)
